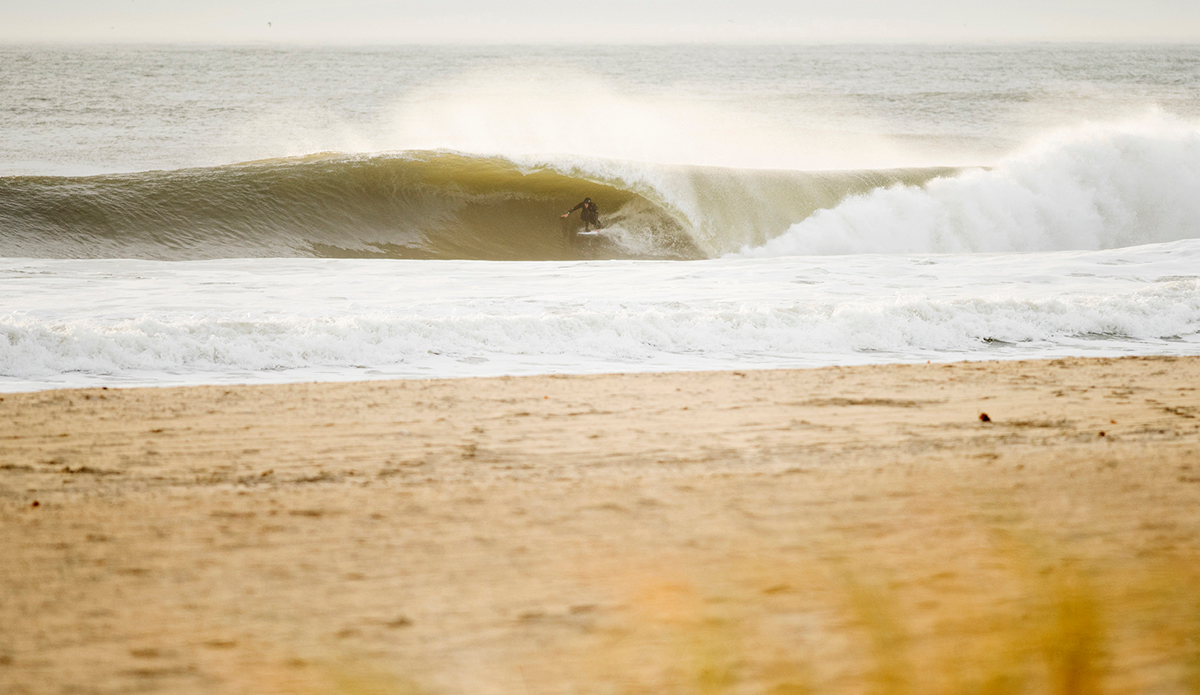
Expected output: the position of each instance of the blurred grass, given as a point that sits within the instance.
(1061, 627)
(1073, 636)
(996, 614)
(1030, 618)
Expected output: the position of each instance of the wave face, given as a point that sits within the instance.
(417, 205)
(1091, 188)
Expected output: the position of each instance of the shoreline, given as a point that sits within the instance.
(786, 531)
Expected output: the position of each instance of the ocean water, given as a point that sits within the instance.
(186, 215)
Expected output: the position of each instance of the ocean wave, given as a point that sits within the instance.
(1089, 188)
(419, 205)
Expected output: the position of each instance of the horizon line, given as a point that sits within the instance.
(610, 43)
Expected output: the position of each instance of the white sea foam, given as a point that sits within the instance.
(145, 322)
(1091, 187)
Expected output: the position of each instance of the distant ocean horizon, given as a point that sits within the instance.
(218, 214)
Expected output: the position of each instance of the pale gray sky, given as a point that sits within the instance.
(598, 21)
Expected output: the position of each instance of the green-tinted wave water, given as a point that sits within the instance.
(420, 205)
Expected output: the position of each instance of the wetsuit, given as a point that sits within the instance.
(588, 213)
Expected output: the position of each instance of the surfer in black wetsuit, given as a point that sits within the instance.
(588, 213)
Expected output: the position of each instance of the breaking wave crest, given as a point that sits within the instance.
(1091, 188)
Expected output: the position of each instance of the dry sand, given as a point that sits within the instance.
(854, 530)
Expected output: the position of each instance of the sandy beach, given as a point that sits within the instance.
(838, 530)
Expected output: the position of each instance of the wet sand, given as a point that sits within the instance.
(832, 530)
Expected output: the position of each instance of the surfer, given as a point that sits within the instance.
(588, 213)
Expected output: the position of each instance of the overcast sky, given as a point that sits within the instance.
(597, 21)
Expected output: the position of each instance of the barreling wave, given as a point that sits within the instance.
(419, 204)
(1091, 188)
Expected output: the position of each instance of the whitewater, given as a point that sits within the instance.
(789, 208)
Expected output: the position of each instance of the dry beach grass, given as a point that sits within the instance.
(841, 530)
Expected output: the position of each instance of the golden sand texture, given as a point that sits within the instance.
(840, 530)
